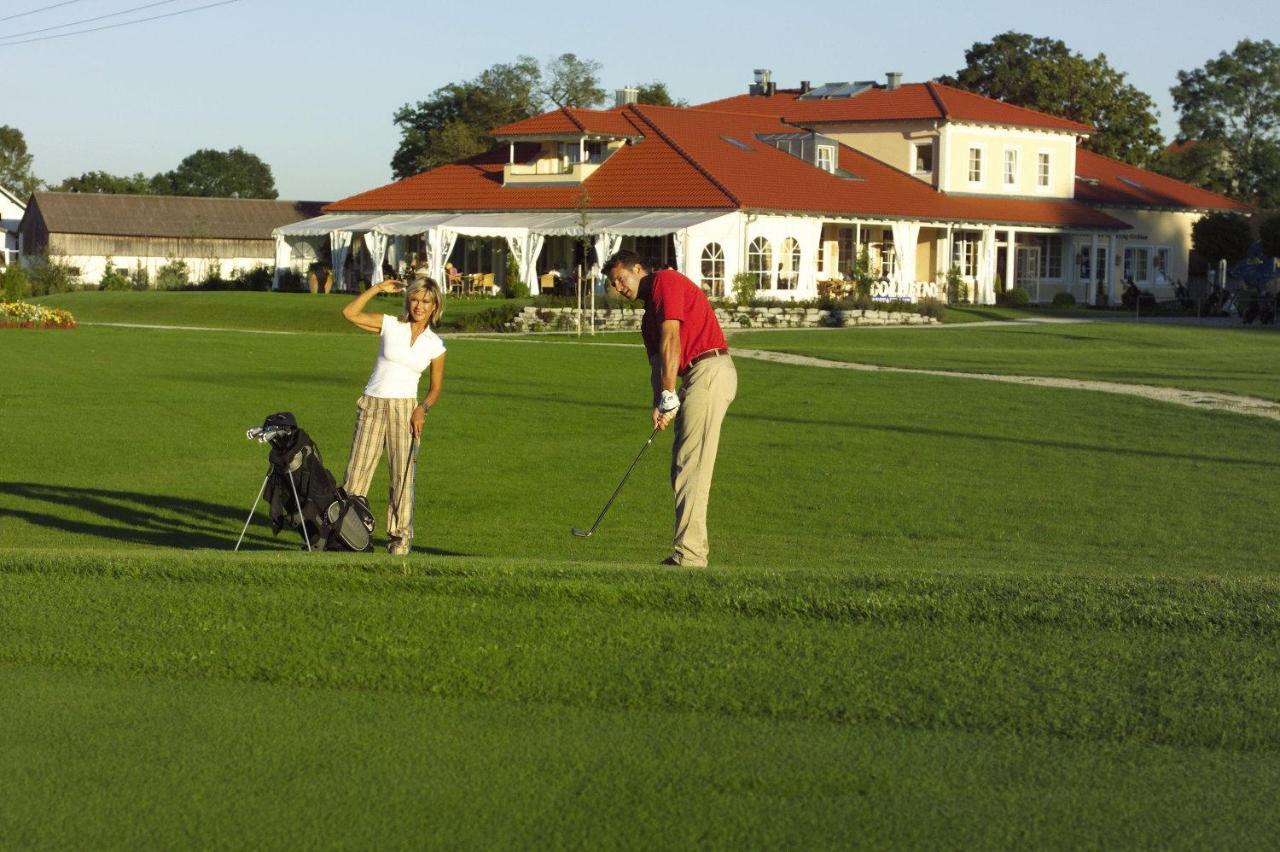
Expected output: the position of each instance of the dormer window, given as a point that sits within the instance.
(922, 158)
(827, 158)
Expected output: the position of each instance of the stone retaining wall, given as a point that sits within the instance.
(625, 319)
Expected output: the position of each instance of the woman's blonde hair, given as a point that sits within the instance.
(417, 285)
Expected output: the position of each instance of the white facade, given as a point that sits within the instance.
(11, 210)
(91, 268)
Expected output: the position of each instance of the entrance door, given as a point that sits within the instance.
(1100, 276)
(1027, 270)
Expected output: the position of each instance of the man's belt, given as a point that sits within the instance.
(710, 353)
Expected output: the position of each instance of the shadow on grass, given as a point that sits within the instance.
(981, 437)
(158, 520)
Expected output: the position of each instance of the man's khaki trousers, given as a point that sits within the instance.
(708, 388)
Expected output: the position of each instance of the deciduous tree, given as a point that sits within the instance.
(109, 184)
(1232, 105)
(222, 174)
(15, 163)
(656, 93)
(1043, 74)
(573, 82)
(455, 121)
(1221, 236)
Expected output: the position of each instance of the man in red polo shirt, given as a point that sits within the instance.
(684, 340)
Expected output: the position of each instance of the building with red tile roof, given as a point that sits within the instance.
(791, 187)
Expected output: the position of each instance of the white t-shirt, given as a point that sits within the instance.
(401, 362)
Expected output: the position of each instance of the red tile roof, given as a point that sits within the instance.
(686, 160)
(566, 120)
(1102, 180)
(911, 101)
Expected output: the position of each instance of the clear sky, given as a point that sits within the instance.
(311, 86)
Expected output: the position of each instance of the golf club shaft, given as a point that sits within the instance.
(639, 455)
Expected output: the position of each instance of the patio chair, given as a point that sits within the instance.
(486, 284)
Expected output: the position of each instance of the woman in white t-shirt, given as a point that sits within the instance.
(388, 414)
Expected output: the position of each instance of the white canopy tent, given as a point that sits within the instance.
(525, 232)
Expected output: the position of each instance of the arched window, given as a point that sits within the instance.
(760, 263)
(713, 269)
(789, 264)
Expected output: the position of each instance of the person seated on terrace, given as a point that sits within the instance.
(452, 277)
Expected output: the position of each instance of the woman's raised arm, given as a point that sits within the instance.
(355, 311)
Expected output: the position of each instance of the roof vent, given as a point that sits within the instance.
(625, 96)
(893, 80)
(804, 87)
(763, 84)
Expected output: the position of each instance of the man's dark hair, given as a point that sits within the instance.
(625, 257)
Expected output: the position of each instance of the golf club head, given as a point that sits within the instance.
(581, 533)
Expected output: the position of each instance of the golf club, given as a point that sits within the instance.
(587, 533)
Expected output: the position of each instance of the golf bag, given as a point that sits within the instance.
(302, 493)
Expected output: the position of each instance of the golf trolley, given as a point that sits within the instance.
(302, 493)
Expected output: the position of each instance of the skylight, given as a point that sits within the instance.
(737, 143)
(1132, 183)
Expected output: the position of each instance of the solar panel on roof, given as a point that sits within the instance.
(837, 90)
(850, 90)
(823, 90)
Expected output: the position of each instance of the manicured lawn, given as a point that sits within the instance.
(1234, 360)
(226, 309)
(940, 612)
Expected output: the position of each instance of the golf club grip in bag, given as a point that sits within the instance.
(328, 517)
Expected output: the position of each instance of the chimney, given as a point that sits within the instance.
(762, 85)
(627, 95)
(893, 80)
(805, 87)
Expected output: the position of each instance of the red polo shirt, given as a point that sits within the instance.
(673, 297)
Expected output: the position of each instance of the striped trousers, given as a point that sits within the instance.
(383, 424)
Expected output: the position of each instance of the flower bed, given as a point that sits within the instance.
(23, 315)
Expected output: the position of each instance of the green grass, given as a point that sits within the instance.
(940, 612)
(299, 312)
(1238, 360)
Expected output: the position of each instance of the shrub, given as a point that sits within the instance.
(114, 279)
(213, 279)
(744, 287)
(52, 275)
(931, 307)
(13, 283)
(515, 288)
(140, 278)
(257, 278)
(174, 275)
(490, 319)
(957, 288)
(1014, 298)
(1064, 300)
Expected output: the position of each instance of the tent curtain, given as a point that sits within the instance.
(529, 260)
(284, 254)
(986, 285)
(441, 242)
(376, 243)
(680, 239)
(606, 245)
(905, 237)
(395, 253)
(339, 248)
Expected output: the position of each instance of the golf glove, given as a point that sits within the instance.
(669, 402)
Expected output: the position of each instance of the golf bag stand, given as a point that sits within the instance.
(306, 538)
(327, 517)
